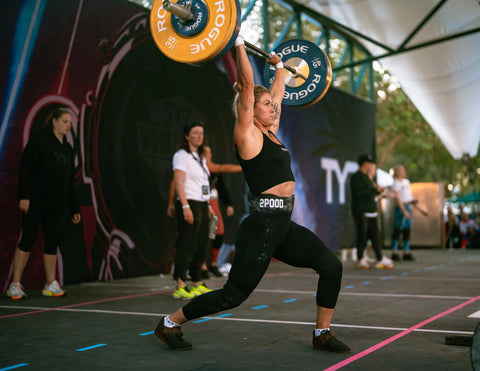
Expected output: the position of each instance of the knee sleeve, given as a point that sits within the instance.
(406, 234)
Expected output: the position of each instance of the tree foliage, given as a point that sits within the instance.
(404, 137)
(402, 134)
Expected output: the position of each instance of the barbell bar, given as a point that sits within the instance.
(197, 31)
(183, 12)
(186, 15)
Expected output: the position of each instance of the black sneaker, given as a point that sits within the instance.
(408, 256)
(205, 274)
(214, 270)
(395, 257)
(173, 337)
(328, 341)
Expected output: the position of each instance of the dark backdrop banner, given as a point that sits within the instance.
(326, 139)
(129, 104)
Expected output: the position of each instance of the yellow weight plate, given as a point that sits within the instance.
(223, 23)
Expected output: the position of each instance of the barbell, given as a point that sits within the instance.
(197, 31)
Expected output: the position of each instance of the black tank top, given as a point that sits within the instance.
(267, 169)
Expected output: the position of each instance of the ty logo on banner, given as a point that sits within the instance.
(331, 166)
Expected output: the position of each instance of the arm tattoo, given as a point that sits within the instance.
(277, 110)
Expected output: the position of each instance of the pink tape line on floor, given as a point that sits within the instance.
(398, 336)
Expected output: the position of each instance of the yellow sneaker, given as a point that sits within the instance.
(200, 289)
(183, 293)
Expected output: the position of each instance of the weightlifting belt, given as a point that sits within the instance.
(270, 203)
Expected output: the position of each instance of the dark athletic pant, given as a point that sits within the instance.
(53, 224)
(192, 241)
(367, 229)
(260, 237)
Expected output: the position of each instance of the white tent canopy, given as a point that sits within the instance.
(441, 79)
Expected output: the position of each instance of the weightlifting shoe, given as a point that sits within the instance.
(173, 337)
(328, 341)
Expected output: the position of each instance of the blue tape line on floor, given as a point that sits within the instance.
(14, 366)
(388, 278)
(146, 333)
(260, 307)
(289, 300)
(92, 347)
(208, 319)
(202, 320)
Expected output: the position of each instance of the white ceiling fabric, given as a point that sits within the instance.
(442, 80)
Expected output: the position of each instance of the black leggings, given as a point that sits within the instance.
(367, 228)
(262, 236)
(53, 224)
(192, 241)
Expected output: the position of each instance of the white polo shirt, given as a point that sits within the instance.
(195, 184)
(403, 189)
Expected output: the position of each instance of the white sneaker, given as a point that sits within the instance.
(53, 289)
(363, 264)
(225, 268)
(15, 291)
(385, 263)
(368, 259)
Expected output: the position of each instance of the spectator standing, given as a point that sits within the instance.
(365, 194)
(453, 235)
(467, 228)
(46, 196)
(190, 173)
(402, 214)
(192, 208)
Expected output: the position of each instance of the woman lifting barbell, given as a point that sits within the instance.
(268, 231)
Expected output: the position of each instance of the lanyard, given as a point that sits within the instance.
(201, 164)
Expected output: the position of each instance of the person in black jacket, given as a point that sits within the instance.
(365, 194)
(46, 193)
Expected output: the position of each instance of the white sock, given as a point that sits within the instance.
(321, 331)
(168, 323)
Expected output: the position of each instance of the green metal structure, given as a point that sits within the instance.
(281, 20)
(285, 20)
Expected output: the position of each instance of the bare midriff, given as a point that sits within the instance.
(281, 190)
